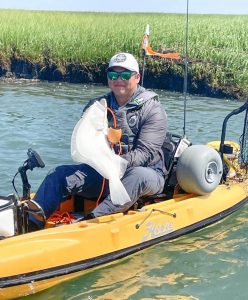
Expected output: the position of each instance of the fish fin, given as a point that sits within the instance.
(118, 193)
(103, 102)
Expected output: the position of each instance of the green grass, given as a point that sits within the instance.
(219, 43)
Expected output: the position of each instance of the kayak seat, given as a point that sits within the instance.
(172, 148)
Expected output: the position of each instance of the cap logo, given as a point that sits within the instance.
(120, 58)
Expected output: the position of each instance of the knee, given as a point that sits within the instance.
(136, 172)
(60, 172)
(57, 175)
(134, 176)
(57, 170)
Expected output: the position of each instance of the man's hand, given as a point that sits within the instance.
(114, 135)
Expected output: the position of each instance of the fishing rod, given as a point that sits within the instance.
(185, 80)
(186, 60)
(146, 34)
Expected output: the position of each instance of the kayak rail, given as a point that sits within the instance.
(224, 148)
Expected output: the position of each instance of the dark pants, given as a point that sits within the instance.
(83, 180)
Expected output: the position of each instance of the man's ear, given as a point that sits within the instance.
(138, 77)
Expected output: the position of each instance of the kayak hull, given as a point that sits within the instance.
(36, 261)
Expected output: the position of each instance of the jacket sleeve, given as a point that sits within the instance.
(150, 138)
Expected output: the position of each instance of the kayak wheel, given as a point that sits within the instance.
(199, 169)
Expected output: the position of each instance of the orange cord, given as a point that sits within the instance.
(66, 218)
(115, 125)
(119, 153)
(61, 218)
(113, 115)
(102, 189)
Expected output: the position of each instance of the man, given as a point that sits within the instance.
(143, 122)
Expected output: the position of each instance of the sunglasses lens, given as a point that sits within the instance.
(112, 75)
(125, 75)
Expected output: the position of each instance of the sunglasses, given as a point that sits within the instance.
(124, 75)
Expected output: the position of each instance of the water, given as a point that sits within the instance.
(208, 264)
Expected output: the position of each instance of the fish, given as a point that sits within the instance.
(89, 145)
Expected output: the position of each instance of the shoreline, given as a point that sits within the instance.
(76, 47)
(166, 79)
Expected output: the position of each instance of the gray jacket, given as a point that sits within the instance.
(144, 123)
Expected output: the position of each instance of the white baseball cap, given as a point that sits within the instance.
(124, 60)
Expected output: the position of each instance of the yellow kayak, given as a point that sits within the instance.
(32, 262)
(36, 261)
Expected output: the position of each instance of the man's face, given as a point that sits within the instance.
(123, 88)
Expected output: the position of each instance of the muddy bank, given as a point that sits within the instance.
(166, 78)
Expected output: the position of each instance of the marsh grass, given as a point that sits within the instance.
(218, 45)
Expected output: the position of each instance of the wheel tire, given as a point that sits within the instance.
(199, 169)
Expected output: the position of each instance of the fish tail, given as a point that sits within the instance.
(118, 193)
(121, 165)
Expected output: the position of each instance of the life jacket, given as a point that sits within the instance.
(128, 118)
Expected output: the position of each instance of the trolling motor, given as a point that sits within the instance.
(15, 208)
(34, 161)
